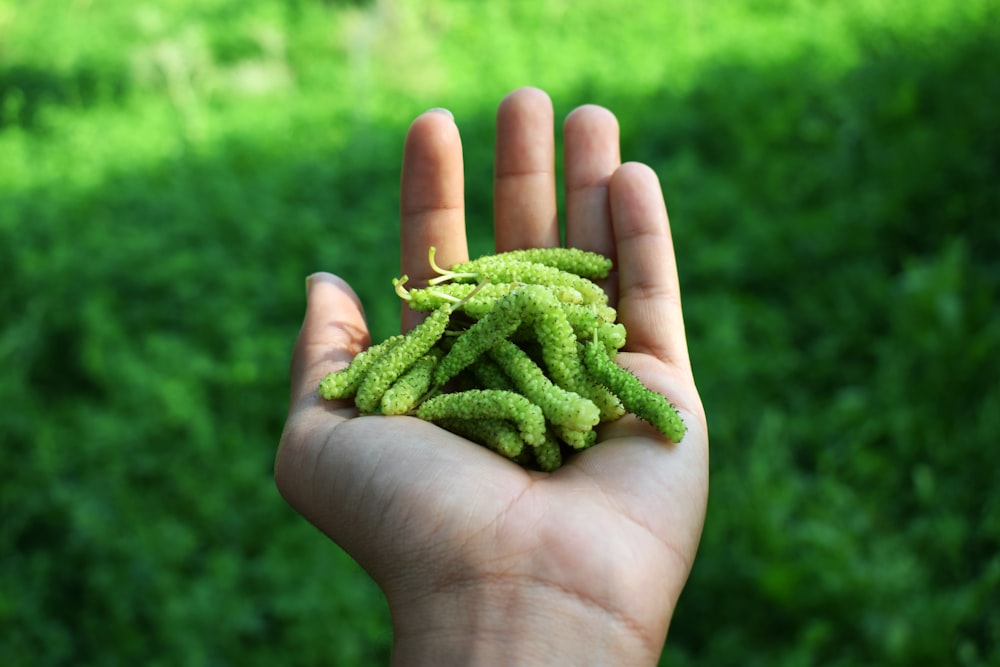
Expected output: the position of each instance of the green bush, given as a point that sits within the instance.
(831, 177)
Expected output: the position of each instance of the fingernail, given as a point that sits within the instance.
(446, 112)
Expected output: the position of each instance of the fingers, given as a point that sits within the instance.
(591, 148)
(524, 185)
(332, 333)
(649, 301)
(432, 200)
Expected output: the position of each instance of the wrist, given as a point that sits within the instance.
(517, 623)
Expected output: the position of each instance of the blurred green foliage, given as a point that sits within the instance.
(170, 173)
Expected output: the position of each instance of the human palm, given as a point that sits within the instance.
(462, 541)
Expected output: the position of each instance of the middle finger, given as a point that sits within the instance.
(524, 185)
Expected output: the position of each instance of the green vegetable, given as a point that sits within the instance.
(517, 354)
(489, 404)
(398, 359)
(644, 403)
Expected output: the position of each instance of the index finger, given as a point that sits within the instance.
(432, 200)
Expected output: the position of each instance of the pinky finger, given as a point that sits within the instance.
(649, 301)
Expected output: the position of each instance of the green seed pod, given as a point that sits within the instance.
(455, 294)
(485, 299)
(561, 355)
(540, 309)
(580, 262)
(488, 404)
(644, 403)
(427, 299)
(576, 439)
(548, 455)
(612, 336)
(416, 343)
(572, 260)
(610, 405)
(499, 435)
(489, 375)
(494, 326)
(535, 306)
(588, 316)
(561, 407)
(475, 300)
(345, 382)
(500, 269)
(404, 394)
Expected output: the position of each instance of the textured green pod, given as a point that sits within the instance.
(532, 400)
(576, 439)
(403, 395)
(536, 307)
(560, 406)
(475, 300)
(585, 318)
(573, 260)
(540, 310)
(548, 455)
(488, 404)
(500, 269)
(561, 355)
(607, 402)
(637, 399)
(416, 343)
(499, 435)
(345, 382)
(582, 263)
(485, 301)
(612, 336)
(494, 326)
(436, 296)
(489, 375)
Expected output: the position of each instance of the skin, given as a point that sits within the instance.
(483, 562)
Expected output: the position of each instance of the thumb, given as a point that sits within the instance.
(333, 332)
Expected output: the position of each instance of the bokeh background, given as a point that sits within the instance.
(171, 171)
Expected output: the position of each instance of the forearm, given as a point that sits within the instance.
(532, 624)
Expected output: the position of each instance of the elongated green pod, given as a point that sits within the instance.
(548, 455)
(500, 269)
(496, 325)
(416, 343)
(637, 399)
(612, 336)
(473, 299)
(345, 382)
(485, 301)
(575, 439)
(497, 434)
(559, 351)
(560, 406)
(489, 375)
(572, 260)
(586, 317)
(405, 393)
(488, 404)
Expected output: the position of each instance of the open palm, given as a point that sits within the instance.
(479, 559)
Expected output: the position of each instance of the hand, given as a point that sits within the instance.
(481, 561)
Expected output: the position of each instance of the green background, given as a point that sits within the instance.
(170, 172)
